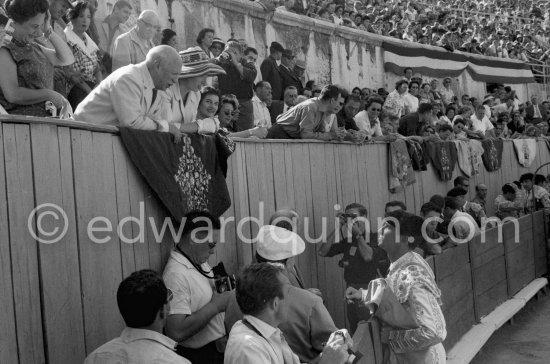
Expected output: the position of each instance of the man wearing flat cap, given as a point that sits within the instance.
(308, 324)
(270, 70)
(289, 78)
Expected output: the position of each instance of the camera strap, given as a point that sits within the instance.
(196, 266)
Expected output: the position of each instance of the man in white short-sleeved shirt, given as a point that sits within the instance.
(196, 317)
(480, 122)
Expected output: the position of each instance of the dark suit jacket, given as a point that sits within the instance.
(289, 79)
(530, 114)
(410, 125)
(270, 73)
(276, 109)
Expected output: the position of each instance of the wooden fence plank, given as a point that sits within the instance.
(8, 333)
(52, 161)
(101, 269)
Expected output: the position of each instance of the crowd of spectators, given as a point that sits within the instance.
(506, 29)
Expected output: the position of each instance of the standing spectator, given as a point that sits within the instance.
(536, 197)
(533, 112)
(270, 70)
(447, 94)
(395, 102)
(507, 204)
(411, 99)
(196, 317)
(408, 73)
(132, 47)
(463, 224)
(169, 38)
(481, 196)
(143, 301)
(279, 107)
(85, 52)
(110, 29)
(362, 259)
(26, 80)
(217, 47)
(261, 99)
(239, 80)
(312, 119)
(299, 70)
(205, 39)
(288, 77)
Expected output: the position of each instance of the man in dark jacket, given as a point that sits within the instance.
(288, 76)
(270, 70)
(412, 123)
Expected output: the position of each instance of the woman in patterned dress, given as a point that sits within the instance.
(85, 52)
(26, 79)
(412, 282)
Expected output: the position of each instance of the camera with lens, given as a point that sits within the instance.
(223, 281)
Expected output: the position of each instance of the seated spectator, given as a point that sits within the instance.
(132, 47)
(533, 112)
(346, 115)
(481, 124)
(143, 301)
(459, 127)
(424, 94)
(300, 70)
(169, 38)
(517, 124)
(432, 213)
(445, 132)
(260, 101)
(312, 119)
(110, 29)
(395, 102)
(447, 94)
(473, 209)
(205, 39)
(228, 106)
(85, 52)
(412, 124)
(507, 204)
(26, 80)
(261, 293)
(130, 96)
(411, 99)
(481, 196)
(183, 97)
(278, 107)
(450, 113)
(463, 225)
(368, 119)
(217, 47)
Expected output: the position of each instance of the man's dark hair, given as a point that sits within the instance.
(525, 177)
(353, 98)
(540, 179)
(452, 203)
(140, 297)
(362, 209)
(200, 219)
(330, 92)
(425, 108)
(457, 191)
(22, 10)
(459, 121)
(256, 286)
(202, 34)
(260, 84)
(120, 4)
(250, 50)
(406, 69)
(373, 99)
(396, 204)
(508, 189)
(438, 201)
(460, 180)
(446, 127)
(429, 206)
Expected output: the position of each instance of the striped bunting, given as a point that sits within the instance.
(437, 62)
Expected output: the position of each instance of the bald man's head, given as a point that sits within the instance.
(164, 65)
(148, 22)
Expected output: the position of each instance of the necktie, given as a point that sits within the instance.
(537, 112)
(288, 355)
(154, 96)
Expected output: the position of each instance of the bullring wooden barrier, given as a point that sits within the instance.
(58, 300)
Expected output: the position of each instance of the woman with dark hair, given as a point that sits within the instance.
(85, 51)
(449, 115)
(204, 40)
(26, 79)
(356, 91)
(170, 38)
(413, 324)
(228, 105)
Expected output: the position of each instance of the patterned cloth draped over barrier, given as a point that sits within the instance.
(188, 175)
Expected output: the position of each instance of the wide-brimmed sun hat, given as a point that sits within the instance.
(196, 63)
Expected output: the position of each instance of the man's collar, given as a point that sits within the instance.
(263, 327)
(130, 334)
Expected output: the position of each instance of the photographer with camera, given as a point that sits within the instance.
(196, 317)
(362, 260)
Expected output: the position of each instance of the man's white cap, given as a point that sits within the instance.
(276, 243)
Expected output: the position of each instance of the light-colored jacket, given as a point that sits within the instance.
(129, 48)
(124, 99)
(106, 44)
